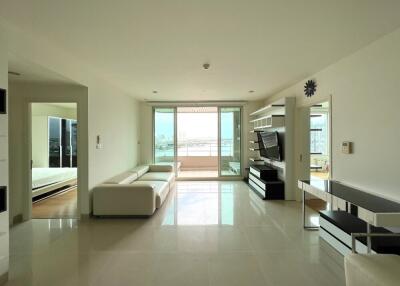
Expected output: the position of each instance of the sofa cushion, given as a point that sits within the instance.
(165, 167)
(161, 190)
(157, 176)
(140, 170)
(372, 269)
(123, 178)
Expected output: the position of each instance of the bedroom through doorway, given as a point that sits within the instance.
(54, 129)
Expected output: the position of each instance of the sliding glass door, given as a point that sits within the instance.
(230, 143)
(164, 135)
(62, 142)
(198, 141)
(54, 142)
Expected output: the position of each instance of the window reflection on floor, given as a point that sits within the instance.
(207, 203)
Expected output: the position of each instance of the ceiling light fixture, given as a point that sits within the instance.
(251, 91)
(155, 91)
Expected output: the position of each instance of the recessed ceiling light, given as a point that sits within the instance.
(155, 91)
(251, 91)
(14, 73)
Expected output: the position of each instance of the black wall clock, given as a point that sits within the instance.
(310, 87)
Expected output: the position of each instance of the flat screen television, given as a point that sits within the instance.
(271, 148)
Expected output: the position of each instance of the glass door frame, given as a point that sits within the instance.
(220, 175)
(174, 108)
(219, 107)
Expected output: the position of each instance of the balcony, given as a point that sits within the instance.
(199, 158)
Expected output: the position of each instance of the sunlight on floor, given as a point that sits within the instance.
(198, 174)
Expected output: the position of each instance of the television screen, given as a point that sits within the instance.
(271, 146)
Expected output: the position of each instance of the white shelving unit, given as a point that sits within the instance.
(276, 116)
(274, 121)
(279, 105)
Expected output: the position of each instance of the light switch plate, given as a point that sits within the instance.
(347, 147)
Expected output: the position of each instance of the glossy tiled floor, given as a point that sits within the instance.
(207, 233)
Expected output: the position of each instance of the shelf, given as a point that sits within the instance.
(267, 108)
(256, 159)
(274, 121)
(255, 131)
(254, 149)
(316, 129)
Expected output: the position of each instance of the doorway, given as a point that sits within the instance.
(320, 166)
(200, 141)
(54, 160)
(197, 142)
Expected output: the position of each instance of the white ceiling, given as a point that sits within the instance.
(29, 72)
(68, 105)
(263, 45)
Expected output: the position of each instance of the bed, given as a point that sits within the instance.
(45, 180)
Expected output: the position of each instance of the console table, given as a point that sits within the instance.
(375, 211)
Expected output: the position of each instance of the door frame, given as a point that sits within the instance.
(240, 176)
(330, 132)
(45, 94)
(80, 165)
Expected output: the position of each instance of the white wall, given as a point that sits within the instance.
(40, 132)
(365, 89)
(115, 117)
(4, 234)
(146, 133)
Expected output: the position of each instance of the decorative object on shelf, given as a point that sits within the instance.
(310, 87)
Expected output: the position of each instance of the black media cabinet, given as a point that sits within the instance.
(263, 180)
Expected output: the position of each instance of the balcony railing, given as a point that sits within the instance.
(195, 148)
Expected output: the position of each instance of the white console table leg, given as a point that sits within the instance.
(305, 226)
(368, 238)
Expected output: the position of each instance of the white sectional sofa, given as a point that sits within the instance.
(137, 192)
(372, 269)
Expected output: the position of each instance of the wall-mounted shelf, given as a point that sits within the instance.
(254, 149)
(268, 108)
(270, 121)
(255, 131)
(256, 159)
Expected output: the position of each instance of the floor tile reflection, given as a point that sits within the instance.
(207, 233)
